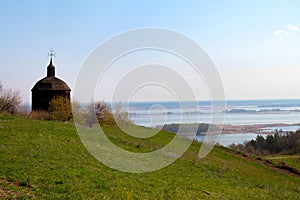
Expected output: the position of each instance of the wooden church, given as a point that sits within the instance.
(47, 88)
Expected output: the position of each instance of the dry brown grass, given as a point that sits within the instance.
(40, 115)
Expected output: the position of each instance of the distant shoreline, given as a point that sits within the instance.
(251, 128)
(202, 128)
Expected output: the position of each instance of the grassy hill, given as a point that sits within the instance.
(46, 160)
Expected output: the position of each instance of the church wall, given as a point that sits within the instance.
(41, 99)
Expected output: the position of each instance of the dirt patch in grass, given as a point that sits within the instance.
(14, 189)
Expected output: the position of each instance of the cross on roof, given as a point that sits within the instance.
(51, 54)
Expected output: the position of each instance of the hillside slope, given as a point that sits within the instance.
(47, 160)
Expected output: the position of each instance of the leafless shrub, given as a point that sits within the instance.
(100, 112)
(120, 116)
(9, 100)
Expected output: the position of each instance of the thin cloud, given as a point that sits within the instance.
(292, 27)
(286, 32)
(278, 32)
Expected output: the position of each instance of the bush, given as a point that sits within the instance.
(121, 117)
(100, 112)
(104, 114)
(9, 100)
(60, 108)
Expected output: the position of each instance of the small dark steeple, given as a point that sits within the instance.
(50, 69)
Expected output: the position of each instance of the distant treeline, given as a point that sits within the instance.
(278, 143)
(199, 128)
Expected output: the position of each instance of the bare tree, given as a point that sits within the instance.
(96, 112)
(101, 109)
(1, 88)
(9, 101)
(121, 117)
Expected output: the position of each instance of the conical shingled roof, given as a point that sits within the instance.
(50, 82)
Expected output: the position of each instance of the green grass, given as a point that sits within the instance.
(290, 160)
(49, 159)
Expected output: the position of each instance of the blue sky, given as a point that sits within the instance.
(255, 45)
